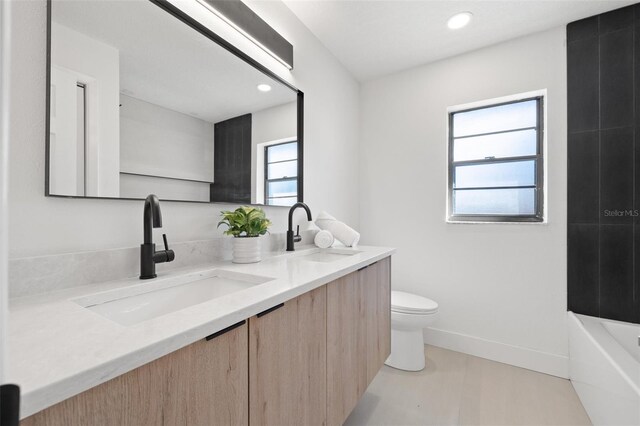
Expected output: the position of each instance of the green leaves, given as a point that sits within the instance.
(245, 221)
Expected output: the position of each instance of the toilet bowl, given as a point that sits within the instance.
(410, 314)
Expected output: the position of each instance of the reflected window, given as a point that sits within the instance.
(496, 163)
(281, 174)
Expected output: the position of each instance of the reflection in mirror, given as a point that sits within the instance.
(142, 103)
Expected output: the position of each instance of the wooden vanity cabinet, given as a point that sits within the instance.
(205, 383)
(311, 359)
(304, 362)
(358, 335)
(287, 362)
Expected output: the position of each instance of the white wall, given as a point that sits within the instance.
(157, 141)
(275, 123)
(501, 288)
(331, 117)
(5, 88)
(42, 225)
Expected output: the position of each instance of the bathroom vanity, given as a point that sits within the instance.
(299, 348)
(293, 340)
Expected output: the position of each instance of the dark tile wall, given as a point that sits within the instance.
(603, 235)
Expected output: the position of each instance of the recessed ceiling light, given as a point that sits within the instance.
(459, 20)
(264, 87)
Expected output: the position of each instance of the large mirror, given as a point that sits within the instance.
(141, 102)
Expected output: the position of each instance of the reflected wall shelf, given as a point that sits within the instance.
(165, 177)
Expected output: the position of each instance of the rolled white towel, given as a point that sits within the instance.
(324, 219)
(324, 239)
(344, 233)
(341, 231)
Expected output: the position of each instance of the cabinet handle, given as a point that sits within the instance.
(225, 330)
(365, 267)
(268, 311)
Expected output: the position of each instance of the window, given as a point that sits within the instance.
(281, 174)
(496, 163)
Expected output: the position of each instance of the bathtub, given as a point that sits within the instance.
(604, 368)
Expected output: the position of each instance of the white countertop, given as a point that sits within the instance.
(58, 349)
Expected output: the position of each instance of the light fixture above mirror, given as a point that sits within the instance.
(239, 16)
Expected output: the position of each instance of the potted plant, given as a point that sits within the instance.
(246, 224)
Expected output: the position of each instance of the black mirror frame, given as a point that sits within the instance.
(191, 22)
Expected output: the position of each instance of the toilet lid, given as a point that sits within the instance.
(411, 303)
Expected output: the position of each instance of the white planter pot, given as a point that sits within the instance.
(246, 250)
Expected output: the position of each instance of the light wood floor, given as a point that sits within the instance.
(459, 389)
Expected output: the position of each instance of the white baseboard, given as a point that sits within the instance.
(543, 362)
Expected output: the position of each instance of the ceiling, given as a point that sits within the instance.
(374, 38)
(167, 63)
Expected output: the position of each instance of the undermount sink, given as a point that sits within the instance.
(328, 255)
(146, 301)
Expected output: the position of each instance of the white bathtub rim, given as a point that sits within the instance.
(630, 343)
(620, 359)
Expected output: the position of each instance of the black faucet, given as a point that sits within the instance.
(291, 239)
(148, 254)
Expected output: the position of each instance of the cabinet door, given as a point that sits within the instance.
(384, 310)
(202, 384)
(358, 335)
(376, 287)
(346, 340)
(287, 363)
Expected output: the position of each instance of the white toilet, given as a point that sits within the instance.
(410, 314)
